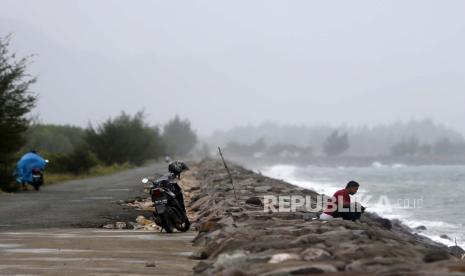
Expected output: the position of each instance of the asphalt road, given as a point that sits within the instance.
(95, 252)
(53, 231)
(84, 203)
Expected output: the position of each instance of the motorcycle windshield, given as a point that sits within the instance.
(25, 166)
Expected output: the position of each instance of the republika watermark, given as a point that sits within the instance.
(292, 203)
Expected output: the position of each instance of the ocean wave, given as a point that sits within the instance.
(446, 242)
(280, 171)
(288, 174)
(378, 165)
(434, 229)
(431, 223)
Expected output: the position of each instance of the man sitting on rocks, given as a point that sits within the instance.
(340, 206)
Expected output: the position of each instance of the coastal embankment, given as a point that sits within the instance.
(238, 237)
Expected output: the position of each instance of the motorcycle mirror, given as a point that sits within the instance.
(145, 180)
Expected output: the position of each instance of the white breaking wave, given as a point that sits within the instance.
(288, 174)
(381, 165)
(436, 229)
(378, 165)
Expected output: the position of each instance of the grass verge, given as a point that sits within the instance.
(52, 178)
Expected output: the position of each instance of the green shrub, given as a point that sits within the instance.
(125, 139)
(80, 161)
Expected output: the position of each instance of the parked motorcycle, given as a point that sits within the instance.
(169, 212)
(37, 178)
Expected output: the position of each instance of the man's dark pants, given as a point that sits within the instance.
(348, 215)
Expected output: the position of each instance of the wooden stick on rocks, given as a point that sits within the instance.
(229, 173)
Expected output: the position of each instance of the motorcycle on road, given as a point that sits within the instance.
(37, 178)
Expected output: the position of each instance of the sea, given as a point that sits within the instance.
(429, 196)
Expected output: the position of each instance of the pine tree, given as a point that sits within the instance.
(16, 101)
(179, 138)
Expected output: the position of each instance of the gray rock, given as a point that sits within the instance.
(303, 270)
(435, 256)
(307, 239)
(254, 201)
(199, 203)
(231, 260)
(120, 225)
(234, 210)
(276, 190)
(420, 228)
(382, 266)
(338, 234)
(199, 255)
(109, 226)
(311, 254)
(135, 226)
(268, 244)
(384, 222)
(445, 237)
(283, 257)
(194, 188)
(233, 272)
(227, 221)
(262, 189)
(456, 250)
(208, 226)
(202, 267)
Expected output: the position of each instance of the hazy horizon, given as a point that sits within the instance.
(229, 64)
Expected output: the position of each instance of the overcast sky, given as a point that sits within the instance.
(229, 63)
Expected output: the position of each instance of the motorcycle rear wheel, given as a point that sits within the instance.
(36, 186)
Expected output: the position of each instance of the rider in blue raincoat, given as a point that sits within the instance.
(26, 164)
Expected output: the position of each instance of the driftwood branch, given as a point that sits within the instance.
(229, 173)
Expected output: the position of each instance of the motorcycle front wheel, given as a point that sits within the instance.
(168, 223)
(183, 227)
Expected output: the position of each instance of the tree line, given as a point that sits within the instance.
(339, 143)
(416, 137)
(123, 139)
